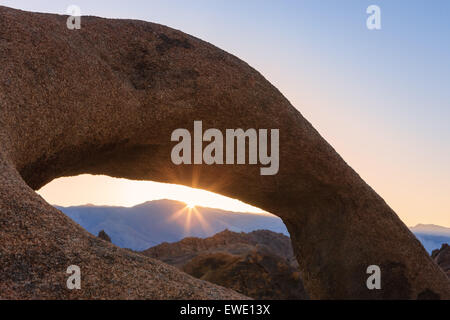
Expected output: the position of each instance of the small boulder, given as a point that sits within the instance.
(104, 236)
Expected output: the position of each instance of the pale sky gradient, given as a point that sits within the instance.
(381, 98)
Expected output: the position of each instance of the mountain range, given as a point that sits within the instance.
(431, 236)
(154, 222)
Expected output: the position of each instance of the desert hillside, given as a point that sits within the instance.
(258, 264)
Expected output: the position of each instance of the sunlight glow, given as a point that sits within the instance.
(103, 190)
(188, 215)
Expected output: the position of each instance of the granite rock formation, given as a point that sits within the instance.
(104, 236)
(442, 258)
(260, 264)
(105, 99)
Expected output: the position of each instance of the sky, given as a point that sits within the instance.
(381, 98)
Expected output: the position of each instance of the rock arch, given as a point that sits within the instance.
(105, 99)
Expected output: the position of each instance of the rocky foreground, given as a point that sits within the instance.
(260, 264)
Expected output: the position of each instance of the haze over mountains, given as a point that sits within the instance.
(154, 222)
(431, 236)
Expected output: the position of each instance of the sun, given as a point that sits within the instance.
(190, 205)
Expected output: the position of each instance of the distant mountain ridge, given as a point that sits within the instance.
(431, 229)
(431, 236)
(154, 222)
(151, 223)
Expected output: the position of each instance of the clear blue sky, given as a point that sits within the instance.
(381, 98)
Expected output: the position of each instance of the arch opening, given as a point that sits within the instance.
(190, 212)
(245, 248)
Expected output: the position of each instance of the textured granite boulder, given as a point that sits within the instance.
(442, 258)
(105, 100)
(259, 264)
(104, 236)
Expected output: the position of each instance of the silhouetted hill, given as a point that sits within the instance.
(259, 264)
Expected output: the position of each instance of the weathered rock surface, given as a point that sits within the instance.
(104, 236)
(105, 100)
(442, 258)
(259, 264)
